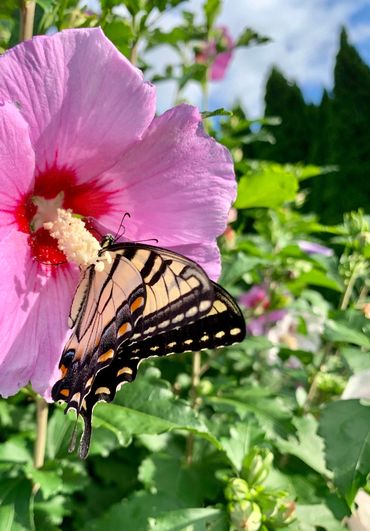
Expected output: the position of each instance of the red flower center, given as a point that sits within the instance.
(88, 199)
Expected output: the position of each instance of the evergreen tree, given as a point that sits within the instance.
(350, 132)
(293, 136)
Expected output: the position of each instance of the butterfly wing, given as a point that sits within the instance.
(223, 325)
(145, 291)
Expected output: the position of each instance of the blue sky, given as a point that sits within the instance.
(304, 44)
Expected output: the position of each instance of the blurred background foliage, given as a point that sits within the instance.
(268, 434)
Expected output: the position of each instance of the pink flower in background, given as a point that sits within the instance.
(314, 248)
(78, 131)
(259, 326)
(218, 60)
(256, 296)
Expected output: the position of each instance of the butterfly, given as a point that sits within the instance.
(149, 301)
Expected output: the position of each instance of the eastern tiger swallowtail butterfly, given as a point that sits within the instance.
(148, 302)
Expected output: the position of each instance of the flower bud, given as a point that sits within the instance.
(236, 490)
(257, 465)
(244, 515)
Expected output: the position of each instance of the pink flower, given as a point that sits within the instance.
(256, 296)
(218, 60)
(259, 326)
(78, 131)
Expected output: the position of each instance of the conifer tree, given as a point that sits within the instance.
(293, 136)
(350, 132)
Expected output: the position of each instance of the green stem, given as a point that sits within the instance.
(195, 379)
(42, 426)
(27, 18)
(349, 289)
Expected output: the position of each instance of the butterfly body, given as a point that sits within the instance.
(149, 302)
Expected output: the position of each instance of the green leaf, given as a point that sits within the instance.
(148, 406)
(270, 411)
(307, 444)
(340, 333)
(266, 185)
(315, 277)
(167, 475)
(211, 11)
(217, 112)
(345, 427)
(357, 359)
(250, 37)
(60, 429)
(202, 519)
(49, 481)
(15, 505)
(242, 437)
(15, 450)
(310, 517)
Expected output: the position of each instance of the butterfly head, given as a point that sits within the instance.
(107, 240)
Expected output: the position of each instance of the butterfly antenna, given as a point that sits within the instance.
(118, 235)
(155, 240)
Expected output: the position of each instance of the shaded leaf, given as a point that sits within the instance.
(345, 427)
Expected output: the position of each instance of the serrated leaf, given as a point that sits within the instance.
(345, 427)
(306, 444)
(242, 437)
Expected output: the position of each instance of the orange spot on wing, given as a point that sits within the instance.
(106, 356)
(136, 304)
(63, 370)
(126, 327)
(64, 392)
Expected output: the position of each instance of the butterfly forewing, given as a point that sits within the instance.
(148, 302)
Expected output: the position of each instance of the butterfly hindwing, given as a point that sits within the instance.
(148, 302)
(222, 325)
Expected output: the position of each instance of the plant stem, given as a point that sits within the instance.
(27, 18)
(195, 379)
(42, 426)
(348, 291)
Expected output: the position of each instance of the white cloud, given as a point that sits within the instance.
(304, 37)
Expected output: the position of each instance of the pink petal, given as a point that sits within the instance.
(84, 102)
(219, 67)
(49, 322)
(20, 286)
(178, 185)
(33, 351)
(17, 163)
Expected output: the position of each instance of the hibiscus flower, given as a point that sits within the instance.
(217, 53)
(78, 132)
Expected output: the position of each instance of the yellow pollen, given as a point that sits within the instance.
(76, 242)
